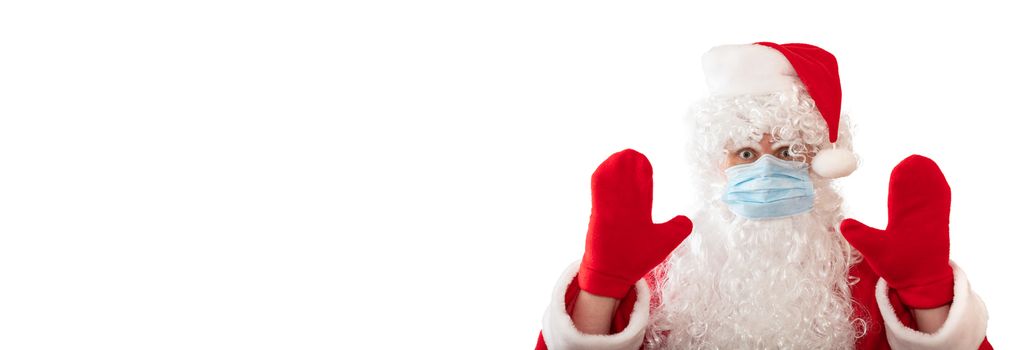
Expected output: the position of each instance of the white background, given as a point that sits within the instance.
(316, 175)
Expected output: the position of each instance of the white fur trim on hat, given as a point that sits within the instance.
(834, 162)
(732, 70)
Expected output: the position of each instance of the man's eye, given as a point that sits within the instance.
(785, 153)
(746, 154)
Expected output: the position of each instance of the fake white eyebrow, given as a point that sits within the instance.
(746, 144)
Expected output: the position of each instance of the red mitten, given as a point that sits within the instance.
(623, 244)
(912, 253)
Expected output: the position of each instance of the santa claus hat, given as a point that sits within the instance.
(766, 67)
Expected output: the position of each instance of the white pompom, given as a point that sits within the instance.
(834, 163)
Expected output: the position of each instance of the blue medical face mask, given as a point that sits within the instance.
(769, 188)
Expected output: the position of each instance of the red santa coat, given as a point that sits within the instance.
(890, 324)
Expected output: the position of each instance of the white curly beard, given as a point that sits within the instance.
(737, 283)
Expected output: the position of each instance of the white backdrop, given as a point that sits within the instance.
(316, 175)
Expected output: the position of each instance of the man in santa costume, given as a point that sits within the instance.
(768, 262)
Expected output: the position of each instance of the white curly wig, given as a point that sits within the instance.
(788, 117)
(738, 283)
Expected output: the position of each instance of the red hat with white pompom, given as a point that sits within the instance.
(766, 67)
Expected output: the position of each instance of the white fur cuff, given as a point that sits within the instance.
(560, 333)
(964, 327)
